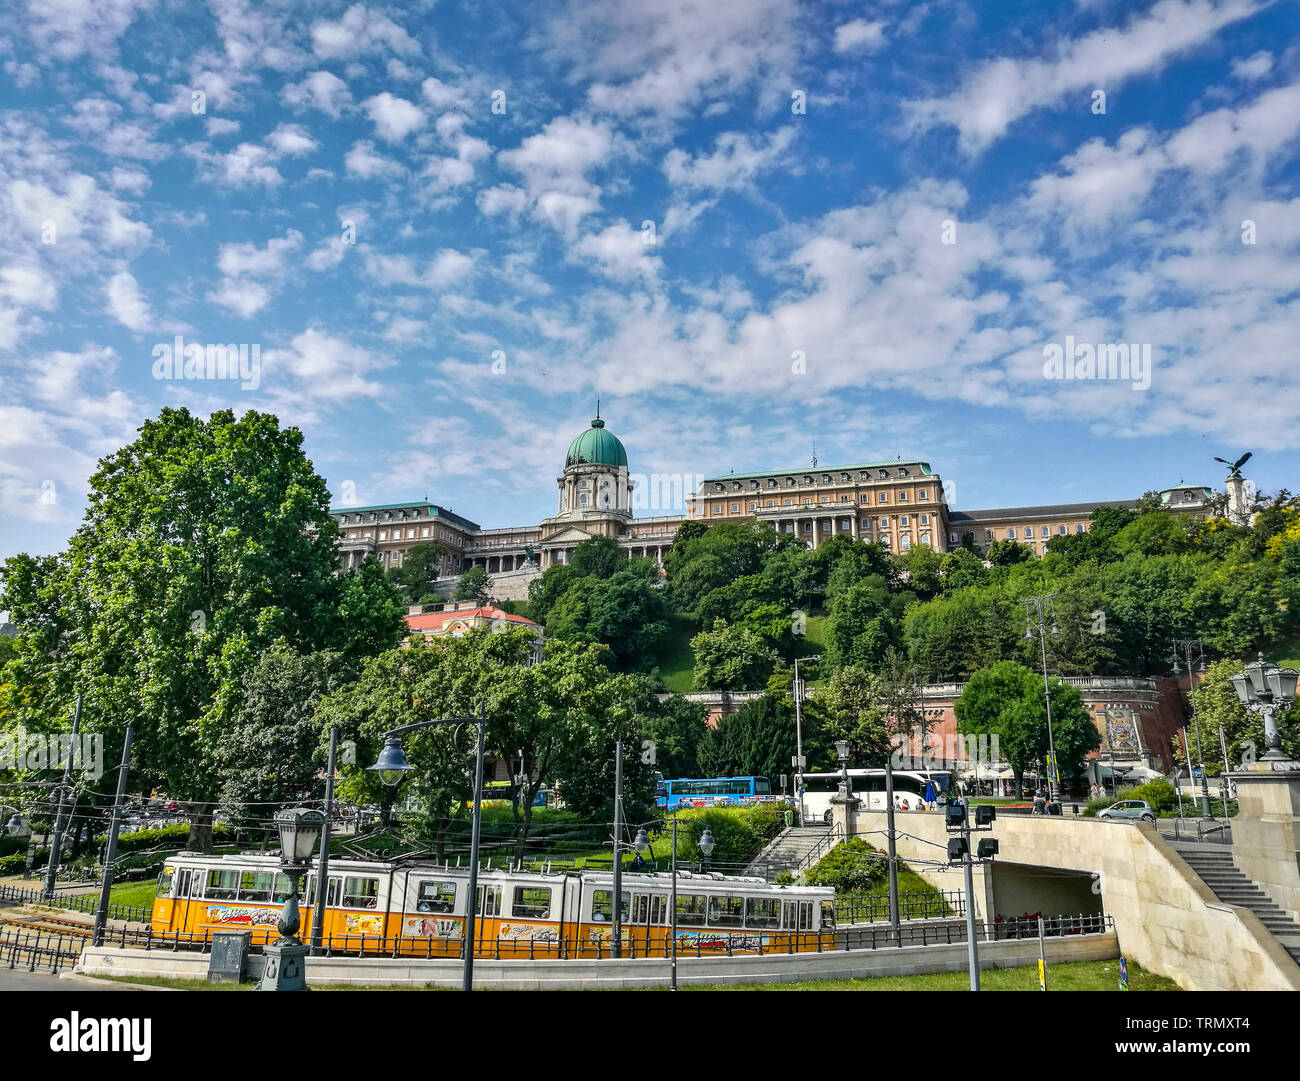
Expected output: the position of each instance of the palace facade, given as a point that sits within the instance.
(898, 504)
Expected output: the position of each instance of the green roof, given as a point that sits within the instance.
(596, 446)
(808, 470)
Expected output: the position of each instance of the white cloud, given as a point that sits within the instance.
(28, 287)
(363, 162)
(1001, 91)
(554, 164)
(620, 251)
(292, 140)
(243, 258)
(219, 126)
(127, 304)
(735, 162)
(241, 296)
(248, 165)
(448, 267)
(67, 29)
(442, 95)
(859, 36)
(1249, 68)
(321, 90)
(394, 118)
(359, 33)
(669, 58)
(329, 368)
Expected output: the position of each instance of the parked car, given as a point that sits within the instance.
(1130, 808)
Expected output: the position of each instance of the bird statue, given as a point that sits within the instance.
(1234, 468)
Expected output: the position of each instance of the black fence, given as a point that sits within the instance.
(31, 949)
(636, 944)
(75, 902)
(874, 908)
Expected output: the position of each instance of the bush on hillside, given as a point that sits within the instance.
(850, 865)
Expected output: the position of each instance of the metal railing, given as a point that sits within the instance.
(637, 943)
(834, 836)
(76, 902)
(1207, 830)
(33, 949)
(873, 908)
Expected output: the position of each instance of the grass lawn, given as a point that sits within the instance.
(1077, 976)
(676, 658)
(139, 894)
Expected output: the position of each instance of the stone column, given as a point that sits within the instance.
(1266, 831)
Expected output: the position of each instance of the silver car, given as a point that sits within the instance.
(1130, 808)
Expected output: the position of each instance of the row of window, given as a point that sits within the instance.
(881, 497)
(373, 516)
(790, 482)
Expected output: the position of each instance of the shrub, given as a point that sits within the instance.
(850, 865)
(785, 878)
(174, 835)
(739, 833)
(1160, 794)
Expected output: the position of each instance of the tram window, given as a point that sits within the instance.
(280, 889)
(223, 885)
(658, 909)
(762, 912)
(602, 906)
(726, 911)
(191, 883)
(255, 886)
(493, 903)
(436, 897)
(805, 915)
(535, 901)
(828, 915)
(640, 908)
(360, 892)
(165, 881)
(691, 907)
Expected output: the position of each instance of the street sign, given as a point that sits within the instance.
(799, 761)
(1123, 974)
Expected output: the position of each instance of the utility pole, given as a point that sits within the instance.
(1037, 609)
(894, 923)
(322, 873)
(972, 947)
(672, 911)
(56, 847)
(799, 761)
(1191, 651)
(616, 940)
(110, 850)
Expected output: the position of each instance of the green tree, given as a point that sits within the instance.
(205, 542)
(863, 623)
(474, 585)
(545, 591)
(758, 739)
(731, 658)
(419, 572)
(851, 706)
(723, 553)
(271, 753)
(599, 556)
(960, 568)
(1007, 553)
(677, 726)
(922, 571)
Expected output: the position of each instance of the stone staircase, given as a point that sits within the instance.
(788, 850)
(1216, 869)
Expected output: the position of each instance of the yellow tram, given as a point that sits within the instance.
(418, 908)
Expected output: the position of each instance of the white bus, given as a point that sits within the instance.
(869, 787)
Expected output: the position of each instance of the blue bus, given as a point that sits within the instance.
(712, 791)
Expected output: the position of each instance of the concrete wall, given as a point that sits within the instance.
(1266, 834)
(609, 974)
(1166, 917)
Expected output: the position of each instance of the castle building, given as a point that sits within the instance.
(899, 504)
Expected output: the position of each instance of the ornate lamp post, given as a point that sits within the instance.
(286, 968)
(392, 767)
(1264, 688)
(705, 844)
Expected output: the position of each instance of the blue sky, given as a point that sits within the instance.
(449, 227)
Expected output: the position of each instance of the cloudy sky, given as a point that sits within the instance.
(448, 228)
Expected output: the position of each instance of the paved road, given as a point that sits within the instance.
(20, 979)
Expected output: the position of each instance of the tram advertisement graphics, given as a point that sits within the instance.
(527, 932)
(712, 940)
(255, 917)
(424, 927)
(366, 925)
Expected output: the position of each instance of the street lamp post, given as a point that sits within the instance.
(799, 762)
(1037, 611)
(392, 766)
(286, 960)
(1264, 688)
(1192, 652)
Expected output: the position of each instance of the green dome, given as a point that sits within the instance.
(596, 446)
